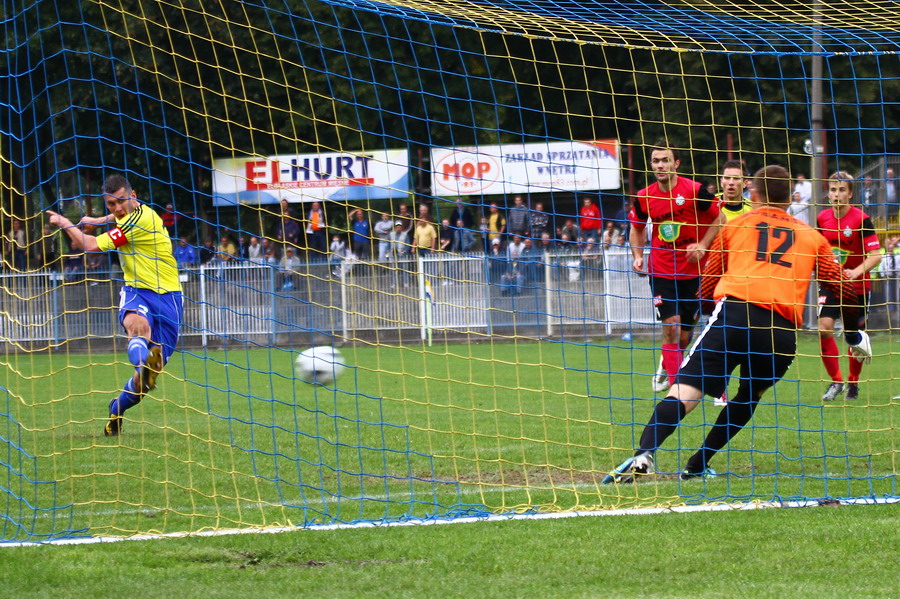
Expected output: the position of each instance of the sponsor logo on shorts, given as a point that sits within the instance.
(658, 300)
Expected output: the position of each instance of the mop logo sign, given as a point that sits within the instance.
(466, 172)
(525, 168)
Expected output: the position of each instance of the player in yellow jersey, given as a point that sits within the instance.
(758, 271)
(732, 202)
(150, 302)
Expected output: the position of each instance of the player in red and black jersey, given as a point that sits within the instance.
(853, 240)
(685, 218)
(754, 284)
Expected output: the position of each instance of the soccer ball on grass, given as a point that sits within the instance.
(322, 364)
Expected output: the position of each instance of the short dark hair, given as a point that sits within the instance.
(843, 176)
(116, 182)
(738, 164)
(663, 144)
(773, 184)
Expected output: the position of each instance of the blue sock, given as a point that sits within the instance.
(127, 399)
(138, 351)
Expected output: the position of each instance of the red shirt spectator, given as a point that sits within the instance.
(169, 218)
(590, 220)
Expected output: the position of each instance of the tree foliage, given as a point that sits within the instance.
(159, 89)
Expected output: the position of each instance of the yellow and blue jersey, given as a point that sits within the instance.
(145, 251)
(732, 211)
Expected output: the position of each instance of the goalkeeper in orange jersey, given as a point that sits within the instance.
(758, 272)
(150, 303)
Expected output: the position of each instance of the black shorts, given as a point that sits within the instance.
(758, 340)
(829, 306)
(676, 297)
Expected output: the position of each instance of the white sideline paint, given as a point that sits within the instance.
(719, 507)
(468, 489)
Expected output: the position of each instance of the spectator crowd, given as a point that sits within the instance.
(513, 234)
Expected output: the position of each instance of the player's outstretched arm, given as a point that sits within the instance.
(80, 241)
(696, 251)
(96, 220)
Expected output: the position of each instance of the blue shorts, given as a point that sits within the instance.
(164, 312)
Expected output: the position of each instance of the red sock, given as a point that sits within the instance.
(855, 369)
(671, 357)
(831, 358)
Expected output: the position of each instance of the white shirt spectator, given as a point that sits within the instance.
(399, 241)
(805, 188)
(290, 261)
(890, 188)
(339, 248)
(254, 250)
(799, 208)
(516, 247)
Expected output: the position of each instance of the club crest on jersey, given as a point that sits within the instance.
(669, 230)
(117, 236)
(679, 201)
(848, 232)
(840, 255)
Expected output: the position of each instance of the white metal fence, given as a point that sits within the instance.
(536, 296)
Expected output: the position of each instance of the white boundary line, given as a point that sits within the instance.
(509, 517)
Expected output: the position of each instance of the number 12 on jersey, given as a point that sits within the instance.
(776, 256)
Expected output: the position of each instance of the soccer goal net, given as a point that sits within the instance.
(439, 191)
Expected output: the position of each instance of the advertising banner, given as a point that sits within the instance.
(345, 176)
(526, 168)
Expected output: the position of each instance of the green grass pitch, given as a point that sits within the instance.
(230, 439)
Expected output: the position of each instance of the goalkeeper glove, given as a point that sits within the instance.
(860, 348)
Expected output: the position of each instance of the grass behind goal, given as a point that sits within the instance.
(231, 440)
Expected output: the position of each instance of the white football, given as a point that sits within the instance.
(322, 364)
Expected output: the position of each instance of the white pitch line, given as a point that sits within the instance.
(507, 517)
(466, 489)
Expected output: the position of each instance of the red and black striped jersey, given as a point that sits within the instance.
(852, 237)
(680, 217)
